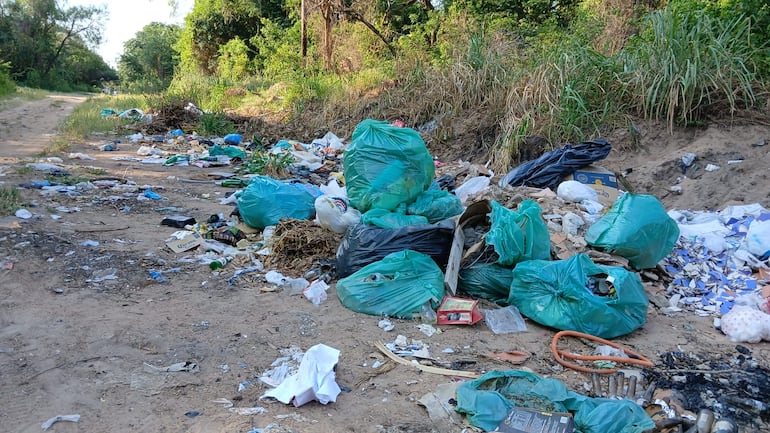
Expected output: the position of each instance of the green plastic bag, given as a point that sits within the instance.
(391, 220)
(265, 201)
(385, 166)
(518, 235)
(396, 286)
(487, 400)
(555, 294)
(231, 151)
(486, 280)
(435, 204)
(638, 228)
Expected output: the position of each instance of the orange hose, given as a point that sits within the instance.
(559, 355)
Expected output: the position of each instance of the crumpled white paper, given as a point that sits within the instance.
(314, 380)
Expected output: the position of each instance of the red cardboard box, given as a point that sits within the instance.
(458, 311)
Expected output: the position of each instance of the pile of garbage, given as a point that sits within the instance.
(406, 236)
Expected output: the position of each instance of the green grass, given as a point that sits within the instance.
(87, 117)
(10, 200)
(21, 95)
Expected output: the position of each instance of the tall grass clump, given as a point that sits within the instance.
(10, 200)
(567, 92)
(683, 63)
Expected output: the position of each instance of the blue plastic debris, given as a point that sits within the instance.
(233, 139)
(152, 195)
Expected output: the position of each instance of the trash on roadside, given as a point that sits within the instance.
(385, 166)
(364, 244)
(294, 285)
(551, 167)
(471, 186)
(487, 281)
(518, 235)
(602, 181)
(152, 195)
(178, 221)
(746, 322)
(577, 294)
(335, 213)
(60, 418)
(23, 214)
(515, 357)
(605, 357)
(187, 366)
(386, 325)
(266, 201)
(504, 320)
(316, 292)
(488, 400)
(182, 241)
(315, 379)
(526, 420)
(638, 228)
(435, 204)
(396, 286)
(459, 311)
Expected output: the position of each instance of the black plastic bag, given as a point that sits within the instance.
(364, 244)
(549, 170)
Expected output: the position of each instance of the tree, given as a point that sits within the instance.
(149, 59)
(37, 35)
(213, 23)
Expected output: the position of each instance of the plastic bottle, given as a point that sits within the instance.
(158, 277)
(427, 314)
(220, 263)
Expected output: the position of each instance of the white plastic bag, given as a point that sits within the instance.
(758, 238)
(575, 192)
(471, 186)
(335, 214)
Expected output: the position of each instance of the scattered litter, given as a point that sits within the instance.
(504, 320)
(283, 367)
(427, 329)
(82, 156)
(89, 243)
(314, 380)
(257, 267)
(69, 418)
(316, 292)
(712, 167)
(192, 413)
(386, 325)
(23, 214)
(103, 275)
(188, 366)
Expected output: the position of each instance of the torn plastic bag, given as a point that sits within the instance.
(364, 244)
(486, 280)
(385, 166)
(487, 400)
(391, 219)
(335, 214)
(435, 204)
(265, 201)
(556, 294)
(518, 235)
(551, 167)
(638, 228)
(396, 286)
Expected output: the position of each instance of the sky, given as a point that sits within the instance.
(126, 17)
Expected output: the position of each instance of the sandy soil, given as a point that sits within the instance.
(72, 345)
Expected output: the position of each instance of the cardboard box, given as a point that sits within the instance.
(601, 180)
(458, 311)
(525, 420)
(475, 214)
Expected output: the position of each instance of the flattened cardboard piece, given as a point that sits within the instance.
(186, 243)
(474, 214)
(459, 311)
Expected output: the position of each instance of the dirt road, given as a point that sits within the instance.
(26, 129)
